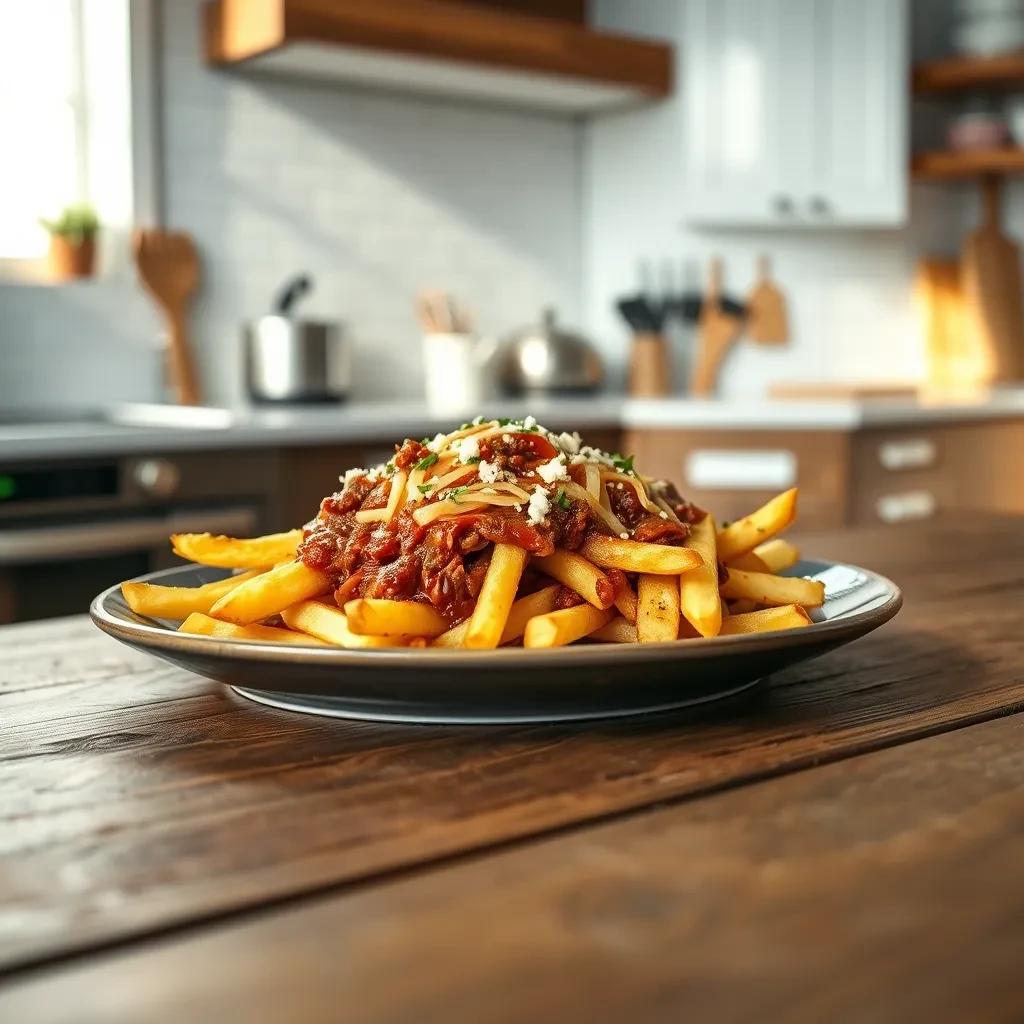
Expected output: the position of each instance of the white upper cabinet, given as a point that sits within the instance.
(795, 112)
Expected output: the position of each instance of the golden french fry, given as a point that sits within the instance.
(790, 616)
(619, 631)
(625, 602)
(204, 625)
(657, 611)
(235, 553)
(773, 590)
(327, 622)
(772, 556)
(745, 534)
(580, 575)
(556, 629)
(525, 608)
(635, 556)
(741, 606)
(270, 593)
(699, 600)
(372, 616)
(179, 602)
(494, 602)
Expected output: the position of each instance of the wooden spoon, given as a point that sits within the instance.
(717, 332)
(169, 269)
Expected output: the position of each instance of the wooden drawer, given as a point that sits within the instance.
(914, 474)
(731, 472)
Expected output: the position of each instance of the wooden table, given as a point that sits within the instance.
(848, 845)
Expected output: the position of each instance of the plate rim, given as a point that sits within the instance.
(157, 637)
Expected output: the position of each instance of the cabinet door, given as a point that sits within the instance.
(858, 92)
(731, 91)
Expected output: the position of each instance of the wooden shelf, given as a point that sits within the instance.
(439, 46)
(964, 74)
(947, 166)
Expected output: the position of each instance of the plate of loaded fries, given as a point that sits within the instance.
(501, 572)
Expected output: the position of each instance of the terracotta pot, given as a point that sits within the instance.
(68, 260)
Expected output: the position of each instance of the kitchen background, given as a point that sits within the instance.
(378, 194)
(778, 128)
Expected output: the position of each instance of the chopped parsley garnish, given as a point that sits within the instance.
(454, 493)
(389, 468)
(506, 421)
(562, 501)
(425, 440)
(472, 461)
(423, 488)
(427, 461)
(623, 465)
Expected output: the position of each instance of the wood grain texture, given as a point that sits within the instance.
(886, 888)
(135, 797)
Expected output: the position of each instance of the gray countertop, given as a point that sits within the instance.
(135, 429)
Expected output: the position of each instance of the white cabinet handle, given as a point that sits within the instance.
(783, 206)
(820, 206)
(906, 506)
(757, 470)
(910, 453)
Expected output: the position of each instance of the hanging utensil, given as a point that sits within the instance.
(717, 332)
(168, 267)
(767, 322)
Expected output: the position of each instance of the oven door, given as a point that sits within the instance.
(52, 570)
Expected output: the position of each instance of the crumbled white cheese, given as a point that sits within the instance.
(477, 420)
(540, 505)
(488, 472)
(588, 454)
(506, 438)
(437, 443)
(569, 443)
(664, 515)
(350, 475)
(554, 470)
(529, 423)
(467, 449)
(624, 536)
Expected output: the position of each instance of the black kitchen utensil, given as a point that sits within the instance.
(292, 290)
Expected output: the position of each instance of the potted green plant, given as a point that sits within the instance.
(73, 242)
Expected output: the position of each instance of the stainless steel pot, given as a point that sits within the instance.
(289, 360)
(548, 359)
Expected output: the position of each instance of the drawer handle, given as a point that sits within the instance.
(755, 470)
(906, 506)
(913, 453)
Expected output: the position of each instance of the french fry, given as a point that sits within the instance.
(772, 556)
(525, 608)
(327, 622)
(790, 616)
(578, 574)
(773, 590)
(371, 616)
(179, 602)
(657, 611)
(556, 629)
(494, 602)
(235, 553)
(625, 602)
(619, 631)
(699, 600)
(745, 534)
(204, 625)
(635, 556)
(271, 592)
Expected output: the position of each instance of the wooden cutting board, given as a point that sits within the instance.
(767, 319)
(991, 279)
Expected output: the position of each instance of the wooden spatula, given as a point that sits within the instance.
(717, 332)
(767, 322)
(991, 275)
(169, 268)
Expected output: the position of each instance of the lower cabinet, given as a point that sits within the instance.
(860, 477)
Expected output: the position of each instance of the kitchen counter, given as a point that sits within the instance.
(847, 841)
(144, 428)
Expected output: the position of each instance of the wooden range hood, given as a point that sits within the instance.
(440, 46)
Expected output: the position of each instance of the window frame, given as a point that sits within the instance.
(142, 142)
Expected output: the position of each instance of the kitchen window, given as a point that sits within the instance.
(76, 116)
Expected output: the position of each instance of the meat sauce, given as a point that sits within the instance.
(444, 563)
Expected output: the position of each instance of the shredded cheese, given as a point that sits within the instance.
(539, 507)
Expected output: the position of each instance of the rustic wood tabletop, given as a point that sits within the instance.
(844, 845)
